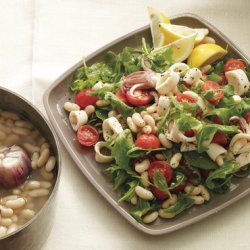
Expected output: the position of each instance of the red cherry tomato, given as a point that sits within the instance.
(140, 97)
(189, 133)
(185, 98)
(220, 138)
(214, 86)
(148, 141)
(87, 135)
(223, 79)
(247, 117)
(217, 120)
(162, 167)
(204, 173)
(159, 194)
(83, 99)
(233, 64)
(186, 84)
(122, 96)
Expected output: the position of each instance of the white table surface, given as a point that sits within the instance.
(39, 40)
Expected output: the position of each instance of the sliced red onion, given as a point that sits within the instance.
(14, 166)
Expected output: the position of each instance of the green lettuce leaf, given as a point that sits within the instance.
(188, 122)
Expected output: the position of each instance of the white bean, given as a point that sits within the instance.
(142, 166)
(15, 204)
(149, 120)
(10, 115)
(175, 160)
(206, 68)
(70, 106)
(133, 200)
(151, 109)
(132, 125)
(208, 39)
(3, 231)
(32, 185)
(112, 113)
(102, 103)
(165, 142)
(169, 202)
(41, 141)
(198, 200)
(160, 157)
(90, 109)
(45, 184)
(192, 190)
(8, 197)
(137, 119)
(147, 129)
(20, 131)
(27, 214)
(35, 156)
(5, 211)
(14, 218)
(51, 163)
(43, 158)
(23, 124)
(43, 146)
(144, 193)
(6, 222)
(9, 123)
(16, 191)
(30, 148)
(48, 176)
(39, 192)
(149, 218)
(219, 160)
(204, 192)
(166, 215)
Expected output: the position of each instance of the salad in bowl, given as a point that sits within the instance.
(170, 122)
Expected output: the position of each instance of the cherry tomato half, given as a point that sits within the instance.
(162, 167)
(223, 79)
(220, 138)
(87, 135)
(247, 117)
(140, 97)
(159, 194)
(214, 86)
(217, 120)
(233, 64)
(122, 96)
(148, 141)
(83, 99)
(185, 98)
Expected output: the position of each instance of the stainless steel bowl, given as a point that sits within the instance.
(34, 233)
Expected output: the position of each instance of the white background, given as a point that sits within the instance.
(39, 40)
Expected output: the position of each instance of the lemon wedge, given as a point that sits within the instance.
(205, 54)
(174, 32)
(182, 48)
(201, 34)
(156, 18)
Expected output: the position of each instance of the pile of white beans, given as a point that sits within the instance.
(19, 205)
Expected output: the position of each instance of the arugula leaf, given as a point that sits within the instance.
(161, 59)
(116, 103)
(160, 182)
(187, 122)
(130, 192)
(181, 205)
(218, 67)
(141, 208)
(219, 180)
(228, 90)
(137, 152)
(199, 160)
(122, 144)
(180, 177)
(102, 114)
(206, 134)
(214, 77)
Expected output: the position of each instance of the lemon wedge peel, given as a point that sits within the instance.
(181, 48)
(205, 54)
(156, 18)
